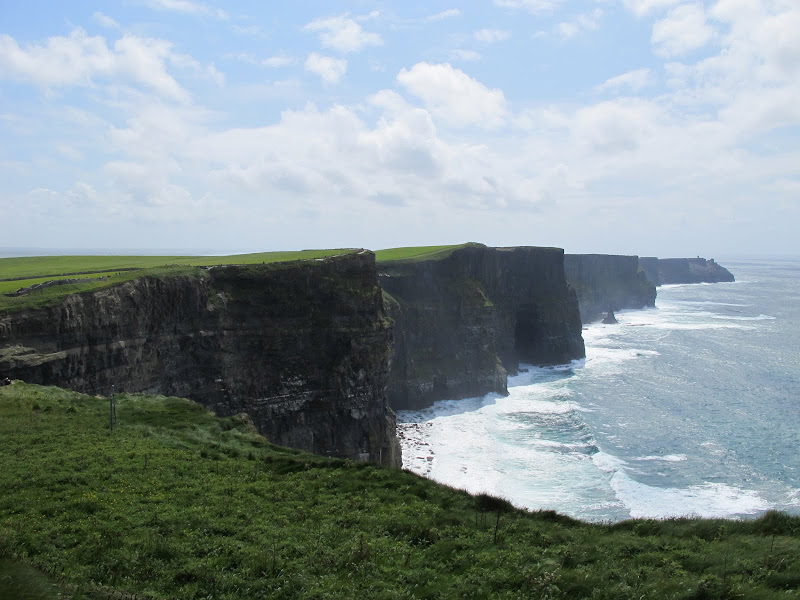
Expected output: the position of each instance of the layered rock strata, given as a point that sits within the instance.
(303, 348)
(607, 282)
(463, 322)
(663, 271)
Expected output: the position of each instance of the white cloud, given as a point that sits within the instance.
(329, 69)
(684, 29)
(635, 80)
(78, 59)
(533, 6)
(104, 21)
(279, 60)
(343, 34)
(490, 36)
(580, 24)
(187, 7)
(445, 14)
(615, 126)
(455, 97)
(645, 7)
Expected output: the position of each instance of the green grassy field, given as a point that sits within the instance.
(177, 503)
(16, 273)
(416, 253)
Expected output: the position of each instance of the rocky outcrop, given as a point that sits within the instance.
(663, 271)
(607, 282)
(610, 318)
(303, 348)
(464, 321)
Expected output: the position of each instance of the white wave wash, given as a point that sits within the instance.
(553, 442)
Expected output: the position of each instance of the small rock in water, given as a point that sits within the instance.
(610, 318)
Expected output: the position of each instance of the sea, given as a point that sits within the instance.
(691, 408)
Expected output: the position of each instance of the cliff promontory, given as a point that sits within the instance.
(607, 282)
(663, 271)
(462, 322)
(302, 347)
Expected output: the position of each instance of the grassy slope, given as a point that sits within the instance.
(16, 273)
(416, 253)
(177, 503)
(41, 266)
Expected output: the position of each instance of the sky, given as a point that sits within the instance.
(650, 127)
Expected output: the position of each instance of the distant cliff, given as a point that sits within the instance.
(606, 282)
(663, 271)
(464, 321)
(303, 348)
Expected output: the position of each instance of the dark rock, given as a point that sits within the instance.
(608, 282)
(664, 271)
(303, 348)
(610, 319)
(463, 322)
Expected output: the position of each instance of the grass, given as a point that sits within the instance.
(16, 273)
(416, 253)
(23, 272)
(177, 503)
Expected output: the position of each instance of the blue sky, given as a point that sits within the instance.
(652, 127)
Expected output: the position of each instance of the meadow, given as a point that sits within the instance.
(106, 271)
(17, 274)
(178, 503)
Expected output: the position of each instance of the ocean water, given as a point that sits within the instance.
(688, 409)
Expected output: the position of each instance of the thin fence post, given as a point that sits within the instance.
(111, 409)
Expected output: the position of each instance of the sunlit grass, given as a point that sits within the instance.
(177, 503)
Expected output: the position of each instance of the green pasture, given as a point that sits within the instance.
(416, 253)
(16, 273)
(177, 503)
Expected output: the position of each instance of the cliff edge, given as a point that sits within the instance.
(607, 282)
(464, 321)
(302, 347)
(664, 271)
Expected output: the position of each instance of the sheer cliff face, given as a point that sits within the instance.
(606, 282)
(662, 271)
(463, 322)
(303, 348)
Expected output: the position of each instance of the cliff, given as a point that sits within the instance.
(662, 271)
(303, 348)
(606, 282)
(464, 321)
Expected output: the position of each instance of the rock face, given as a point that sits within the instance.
(663, 271)
(303, 348)
(606, 282)
(463, 322)
(610, 318)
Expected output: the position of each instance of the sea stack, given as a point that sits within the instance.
(610, 318)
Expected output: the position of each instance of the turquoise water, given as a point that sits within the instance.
(691, 408)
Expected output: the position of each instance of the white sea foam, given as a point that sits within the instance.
(709, 303)
(666, 458)
(708, 500)
(761, 317)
